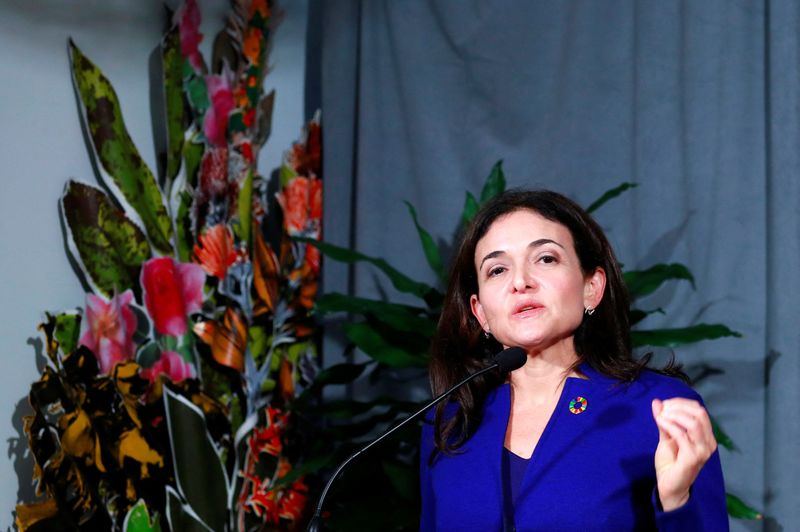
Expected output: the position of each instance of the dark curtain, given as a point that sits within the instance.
(696, 102)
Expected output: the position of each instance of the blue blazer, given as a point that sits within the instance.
(591, 470)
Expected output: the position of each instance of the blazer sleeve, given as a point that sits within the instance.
(427, 515)
(705, 511)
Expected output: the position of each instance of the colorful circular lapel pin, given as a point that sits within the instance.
(578, 405)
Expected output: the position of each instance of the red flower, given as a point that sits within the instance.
(215, 122)
(172, 290)
(301, 201)
(188, 18)
(170, 364)
(108, 329)
(215, 251)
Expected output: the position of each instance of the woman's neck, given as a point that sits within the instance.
(543, 375)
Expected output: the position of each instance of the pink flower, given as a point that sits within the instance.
(108, 329)
(215, 122)
(170, 364)
(188, 19)
(172, 290)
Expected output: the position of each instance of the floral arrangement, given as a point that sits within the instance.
(166, 402)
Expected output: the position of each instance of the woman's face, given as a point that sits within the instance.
(531, 290)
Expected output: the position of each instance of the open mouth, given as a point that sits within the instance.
(527, 309)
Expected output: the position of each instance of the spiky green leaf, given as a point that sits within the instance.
(400, 317)
(738, 509)
(429, 246)
(611, 194)
(109, 247)
(470, 209)
(644, 282)
(721, 437)
(373, 344)
(121, 167)
(495, 183)
(682, 335)
(400, 281)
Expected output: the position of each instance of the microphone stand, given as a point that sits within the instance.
(315, 525)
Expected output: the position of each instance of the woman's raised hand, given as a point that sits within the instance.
(685, 443)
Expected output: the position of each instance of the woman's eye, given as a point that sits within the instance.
(548, 259)
(497, 270)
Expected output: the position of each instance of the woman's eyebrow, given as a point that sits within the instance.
(543, 241)
(534, 244)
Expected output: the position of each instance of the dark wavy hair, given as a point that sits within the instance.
(460, 348)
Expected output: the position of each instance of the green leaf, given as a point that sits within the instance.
(373, 344)
(183, 227)
(339, 374)
(495, 183)
(172, 77)
(308, 467)
(738, 509)
(138, 519)
(197, 94)
(245, 205)
(108, 246)
(400, 317)
(182, 517)
(470, 209)
(120, 166)
(148, 354)
(67, 331)
(611, 194)
(721, 437)
(681, 336)
(404, 478)
(400, 281)
(199, 473)
(428, 245)
(645, 282)
(636, 315)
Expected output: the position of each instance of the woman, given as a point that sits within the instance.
(582, 437)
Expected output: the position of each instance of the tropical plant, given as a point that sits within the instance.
(396, 336)
(165, 403)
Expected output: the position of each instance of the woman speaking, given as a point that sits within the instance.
(583, 436)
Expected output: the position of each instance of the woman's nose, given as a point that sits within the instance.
(523, 280)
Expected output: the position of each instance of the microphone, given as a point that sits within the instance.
(506, 361)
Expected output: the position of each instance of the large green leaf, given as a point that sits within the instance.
(470, 209)
(121, 167)
(636, 315)
(138, 519)
(339, 374)
(373, 344)
(67, 330)
(721, 437)
(182, 517)
(681, 336)
(495, 183)
(429, 246)
(401, 317)
(613, 193)
(738, 509)
(108, 246)
(400, 281)
(645, 282)
(199, 472)
(172, 75)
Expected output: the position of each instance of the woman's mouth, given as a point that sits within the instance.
(526, 310)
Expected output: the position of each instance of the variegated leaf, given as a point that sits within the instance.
(121, 167)
(109, 247)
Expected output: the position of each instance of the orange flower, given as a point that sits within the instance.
(214, 251)
(252, 44)
(258, 6)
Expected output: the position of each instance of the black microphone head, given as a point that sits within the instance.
(510, 359)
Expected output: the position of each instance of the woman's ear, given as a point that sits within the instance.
(593, 288)
(477, 311)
